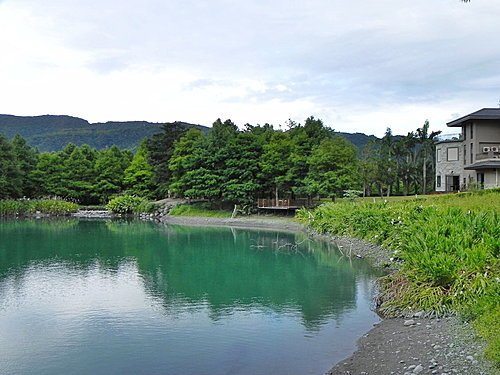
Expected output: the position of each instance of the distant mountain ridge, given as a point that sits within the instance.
(54, 132)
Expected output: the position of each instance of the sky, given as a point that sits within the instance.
(359, 65)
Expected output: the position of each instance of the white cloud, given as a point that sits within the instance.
(360, 66)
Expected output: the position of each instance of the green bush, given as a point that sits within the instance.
(129, 204)
(31, 207)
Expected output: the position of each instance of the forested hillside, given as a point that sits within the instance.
(53, 133)
(224, 164)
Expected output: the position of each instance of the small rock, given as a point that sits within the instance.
(411, 367)
(409, 322)
(418, 314)
(418, 369)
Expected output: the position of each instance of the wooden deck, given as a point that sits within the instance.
(281, 204)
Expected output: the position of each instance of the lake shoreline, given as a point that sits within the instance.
(411, 345)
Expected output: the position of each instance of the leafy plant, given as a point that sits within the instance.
(129, 204)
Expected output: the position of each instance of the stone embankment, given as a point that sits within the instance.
(94, 214)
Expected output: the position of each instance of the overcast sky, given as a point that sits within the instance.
(359, 65)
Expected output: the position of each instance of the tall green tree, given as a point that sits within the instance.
(26, 158)
(10, 172)
(184, 159)
(48, 174)
(275, 163)
(110, 166)
(78, 178)
(160, 148)
(427, 142)
(333, 168)
(138, 177)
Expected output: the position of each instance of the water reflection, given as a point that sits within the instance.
(226, 267)
(132, 294)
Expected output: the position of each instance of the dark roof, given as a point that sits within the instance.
(484, 164)
(482, 114)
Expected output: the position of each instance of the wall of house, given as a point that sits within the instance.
(491, 178)
(445, 167)
(485, 133)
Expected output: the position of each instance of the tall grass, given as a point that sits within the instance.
(198, 209)
(449, 248)
(30, 207)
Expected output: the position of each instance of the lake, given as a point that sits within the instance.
(132, 297)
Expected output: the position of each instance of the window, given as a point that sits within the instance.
(465, 154)
(464, 132)
(471, 150)
(438, 181)
(438, 155)
(471, 131)
(452, 154)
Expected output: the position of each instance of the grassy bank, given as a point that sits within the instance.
(198, 209)
(448, 248)
(11, 208)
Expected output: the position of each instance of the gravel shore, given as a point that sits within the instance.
(414, 345)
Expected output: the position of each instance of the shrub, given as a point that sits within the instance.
(129, 204)
(29, 207)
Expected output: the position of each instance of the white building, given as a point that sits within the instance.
(473, 158)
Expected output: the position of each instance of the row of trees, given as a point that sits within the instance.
(225, 165)
(401, 164)
(80, 173)
(229, 165)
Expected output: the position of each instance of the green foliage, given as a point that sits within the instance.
(198, 209)
(30, 207)
(10, 173)
(52, 133)
(160, 149)
(449, 248)
(138, 179)
(129, 204)
(109, 167)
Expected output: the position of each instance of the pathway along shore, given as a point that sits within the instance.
(399, 346)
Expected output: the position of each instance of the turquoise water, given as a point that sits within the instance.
(117, 297)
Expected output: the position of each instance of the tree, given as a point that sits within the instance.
(184, 159)
(27, 158)
(333, 168)
(241, 169)
(138, 177)
(110, 166)
(10, 173)
(78, 178)
(48, 174)
(369, 167)
(406, 154)
(160, 148)
(426, 141)
(275, 162)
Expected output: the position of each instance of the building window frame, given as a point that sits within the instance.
(452, 154)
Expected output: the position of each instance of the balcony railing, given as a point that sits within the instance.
(487, 155)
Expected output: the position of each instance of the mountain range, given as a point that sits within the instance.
(54, 132)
